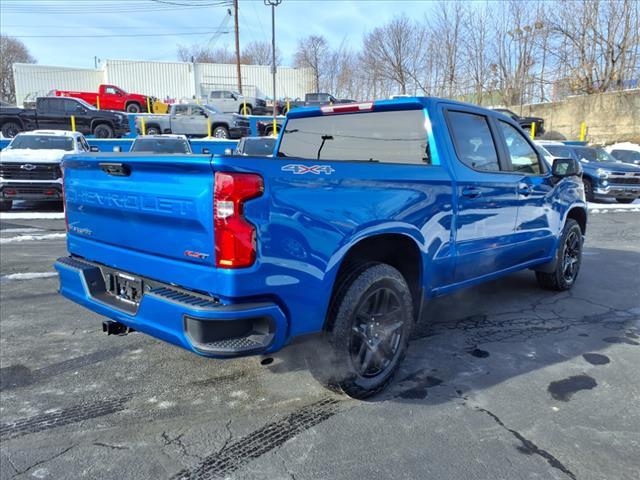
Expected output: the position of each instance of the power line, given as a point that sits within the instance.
(174, 34)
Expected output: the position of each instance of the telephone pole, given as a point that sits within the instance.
(235, 18)
(273, 4)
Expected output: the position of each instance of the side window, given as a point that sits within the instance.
(216, 95)
(56, 106)
(524, 158)
(196, 110)
(473, 141)
(71, 107)
(84, 145)
(110, 90)
(180, 110)
(228, 95)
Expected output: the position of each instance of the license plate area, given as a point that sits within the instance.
(124, 287)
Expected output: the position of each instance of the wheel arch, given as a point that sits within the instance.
(397, 249)
(579, 214)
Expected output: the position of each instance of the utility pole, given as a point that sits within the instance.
(273, 4)
(235, 18)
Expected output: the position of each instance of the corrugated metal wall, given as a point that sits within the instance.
(32, 80)
(174, 80)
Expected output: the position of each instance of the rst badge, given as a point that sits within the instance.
(298, 169)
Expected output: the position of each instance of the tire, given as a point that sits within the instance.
(133, 108)
(370, 319)
(625, 200)
(220, 132)
(5, 205)
(11, 129)
(249, 110)
(569, 250)
(153, 130)
(103, 131)
(588, 189)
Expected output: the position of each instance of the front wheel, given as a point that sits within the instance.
(5, 205)
(249, 110)
(588, 189)
(134, 108)
(103, 131)
(153, 130)
(221, 132)
(371, 318)
(10, 129)
(568, 260)
(625, 200)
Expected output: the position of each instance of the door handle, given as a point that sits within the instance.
(524, 189)
(471, 192)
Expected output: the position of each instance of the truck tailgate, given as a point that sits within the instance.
(158, 205)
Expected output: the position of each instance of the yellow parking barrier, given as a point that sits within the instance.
(73, 123)
(583, 131)
(98, 102)
(143, 127)
(288, 106)
(275, 130)
(148, 105)
(533, 130)
(244, 106)
(208, 128)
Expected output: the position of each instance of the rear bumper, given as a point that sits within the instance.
(191, 321)
(40, 191)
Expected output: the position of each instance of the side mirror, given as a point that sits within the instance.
(206, 151)
(117, 148)
(93, 148)
(228, 151)
(566, 167)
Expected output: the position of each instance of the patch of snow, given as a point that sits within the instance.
(27, 238)
(21, 230)
(28, 276)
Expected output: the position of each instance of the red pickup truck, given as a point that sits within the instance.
(111, 98)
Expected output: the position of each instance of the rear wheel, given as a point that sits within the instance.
(10, 129)
(371, 319)
(153, 130)
(221, 132)
(5, 205)
(134, 108)
(588, 189)
(249, 110)
(568, 260)
(625, 200)
(103, 131)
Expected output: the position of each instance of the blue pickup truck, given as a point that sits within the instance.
(365, 212)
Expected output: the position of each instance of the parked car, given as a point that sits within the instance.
(111, 98)
(191, 119)
(361, 217)
(316, 100)
(265, 127)
(228, 101)
(30, 165)
(524, 122)
(54, 113)
(626, 152)
(161, 144)
(603, 175)
(255, 146)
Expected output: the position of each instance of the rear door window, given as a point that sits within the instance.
(473, 141)
(390, 137)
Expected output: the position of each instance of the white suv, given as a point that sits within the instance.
(30, 165)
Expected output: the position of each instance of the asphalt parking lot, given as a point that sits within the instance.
(502, 381)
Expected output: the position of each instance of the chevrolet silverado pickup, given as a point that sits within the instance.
(110, 97)
(54, 113)
(364, 213)
(30, 165)
(192, 120)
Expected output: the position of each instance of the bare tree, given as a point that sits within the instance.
(195, 53)
(259, 53)
(12, 51)
(395, 50)
(313, 52)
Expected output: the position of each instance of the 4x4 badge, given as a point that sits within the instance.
(298, 169)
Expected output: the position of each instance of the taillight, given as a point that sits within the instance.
(235, 237)
(64, 202)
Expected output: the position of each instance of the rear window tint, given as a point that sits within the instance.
(389, 137)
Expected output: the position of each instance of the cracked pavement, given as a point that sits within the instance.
(501, 381)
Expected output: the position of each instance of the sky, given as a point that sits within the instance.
(73, 32)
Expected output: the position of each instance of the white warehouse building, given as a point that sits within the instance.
(164, 80)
